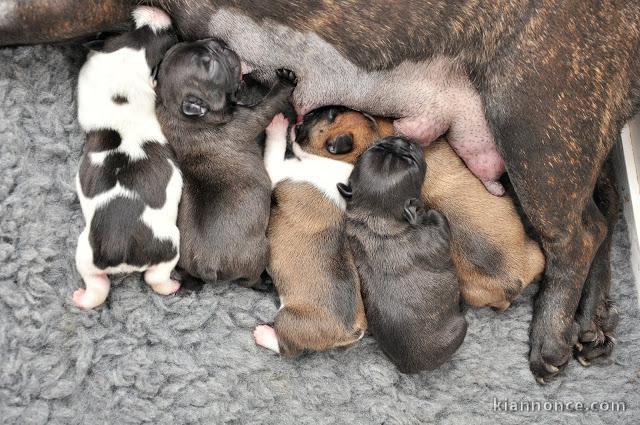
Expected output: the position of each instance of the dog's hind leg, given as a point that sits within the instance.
(555, 123)
(597, 316)
(554, 168)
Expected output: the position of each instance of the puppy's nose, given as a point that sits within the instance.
(341, 144)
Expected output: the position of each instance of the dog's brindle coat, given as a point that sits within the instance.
(557, 80)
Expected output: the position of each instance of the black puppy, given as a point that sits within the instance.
(411, 294)
(224, 210)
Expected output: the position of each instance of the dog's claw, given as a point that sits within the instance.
(540, 380)
(579, 346)
(287, 76)
(551, 368)
(584, 362)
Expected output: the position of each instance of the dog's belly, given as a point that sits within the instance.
(427, 98)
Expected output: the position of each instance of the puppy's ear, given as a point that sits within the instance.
(345, 190)
(193, 107)
(413, 211)
(341, 144)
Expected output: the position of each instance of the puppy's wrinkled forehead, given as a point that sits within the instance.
(393, 155)
(394, 166)
(209, 61)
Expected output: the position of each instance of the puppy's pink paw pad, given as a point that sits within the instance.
(265, 336)
(167, 288)
(80, 300)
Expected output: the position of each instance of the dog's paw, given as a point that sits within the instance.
(265, 336)
(551, 348)
(287, 77)
(278, 126)
(596, 337)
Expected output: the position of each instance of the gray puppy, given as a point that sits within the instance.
(224, 210)
(411, 294)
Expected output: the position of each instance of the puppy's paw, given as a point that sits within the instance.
(167, 288)
(287, 77)
(278, 126)
(83, 300)
(265, 336)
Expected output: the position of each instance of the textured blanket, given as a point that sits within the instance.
(190, 358)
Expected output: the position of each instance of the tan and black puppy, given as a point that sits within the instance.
(310, 263)
(402, 252)
(494, 258)
(224, 211)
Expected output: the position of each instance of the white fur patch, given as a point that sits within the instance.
(153, 17)
(125, 73)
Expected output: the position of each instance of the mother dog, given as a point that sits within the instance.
(544, 85)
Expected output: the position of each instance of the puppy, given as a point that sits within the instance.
(311, 264)
(494, 258)
(401, 249)
(224, 211)
(128, 183)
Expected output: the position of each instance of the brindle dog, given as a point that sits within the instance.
(547, 85)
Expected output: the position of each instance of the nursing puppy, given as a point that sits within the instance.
(310, 263)
(494, 258)
(401, 249)
(128, 183)
(224, 211)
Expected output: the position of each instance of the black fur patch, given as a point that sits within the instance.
(101, 140)
(155, 44)
(118, 235)
(119, 99)
(147, 177)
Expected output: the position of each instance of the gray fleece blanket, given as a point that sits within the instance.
(190, 358)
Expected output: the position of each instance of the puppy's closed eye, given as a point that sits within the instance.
(194, 106)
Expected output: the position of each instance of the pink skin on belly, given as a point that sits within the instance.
(471, 142)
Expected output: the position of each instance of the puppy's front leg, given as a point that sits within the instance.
(253, 121)
(275, 148)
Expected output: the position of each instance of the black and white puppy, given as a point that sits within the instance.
(401, 249)
(128, 183)
(226, 199)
